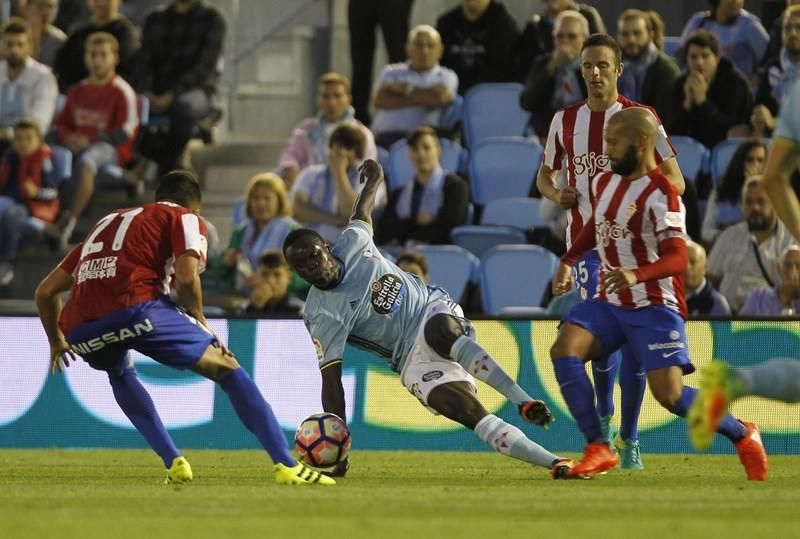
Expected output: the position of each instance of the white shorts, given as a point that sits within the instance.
(424, 369)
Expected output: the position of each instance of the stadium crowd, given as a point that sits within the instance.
(116, 102)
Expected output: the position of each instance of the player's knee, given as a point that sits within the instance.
(441, 331)
(666, 395)
(560, 348)
(215, 365)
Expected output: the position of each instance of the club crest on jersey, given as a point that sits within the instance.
(631, 210)
(388, 292)
(608, 231)
(590, 163)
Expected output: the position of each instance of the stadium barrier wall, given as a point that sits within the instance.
(77, 409)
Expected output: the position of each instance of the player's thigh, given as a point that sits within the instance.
(588, 331)
(424, 371)
(214, 364)
(458, 402)
(666, 385)
(656, 338)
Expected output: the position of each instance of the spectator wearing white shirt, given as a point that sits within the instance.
(27, 87)
(415, 92)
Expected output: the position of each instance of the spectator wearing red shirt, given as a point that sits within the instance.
(98, 123)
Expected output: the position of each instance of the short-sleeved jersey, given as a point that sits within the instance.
(128, 258)
(631, 218)
(376, 306)
(789, 118)
(575, 142)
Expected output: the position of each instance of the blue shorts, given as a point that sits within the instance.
(158, 328)
(586, 273)
(655, 335)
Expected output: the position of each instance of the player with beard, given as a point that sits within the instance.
(575, 147)
(637, 225)
(360, 297)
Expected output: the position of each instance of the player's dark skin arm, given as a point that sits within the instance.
(372, 174)
(48, 303)
(333, 402)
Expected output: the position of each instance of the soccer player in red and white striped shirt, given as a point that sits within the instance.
(638, 227)
(575, 148)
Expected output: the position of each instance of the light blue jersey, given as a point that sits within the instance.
(376, 306)
(789, 119)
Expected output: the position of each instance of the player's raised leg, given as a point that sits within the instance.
(449, 337)
(256, 414)
(777, 379)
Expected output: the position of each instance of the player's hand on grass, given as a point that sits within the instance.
(617, 280)
(339, 470)
(60, 356)
(562, 280)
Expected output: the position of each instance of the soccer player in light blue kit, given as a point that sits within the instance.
(778, 378)
(360, 297)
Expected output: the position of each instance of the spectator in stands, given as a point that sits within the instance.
(745, 256)
(363, 17)
(778, 74)
(776, 33)
(725, 203)
(743, 40)
(269, 287)
(538, 36)
(310, 139)
(701, 297)
(69, 66)
(268, 221)
(431, 204)
(28, 188)
(98, 124)
(711, 97)
(415, 92)
(659, 28)
(323, 195)
(415, 263)
(72, 13)
(554, 80)
(27, 87)
(783, 299)
(47, 38)
(649, 74)
(480, 40)
(178, 69)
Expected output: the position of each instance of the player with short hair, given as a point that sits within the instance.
(360, 297)
(778, 378)
(638, 227)
(119, 280)
(575, 146)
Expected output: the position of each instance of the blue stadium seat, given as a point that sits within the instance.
(693, 157)
(671, 45)
(401, 171)
(479, 239)
(515, 277)
(722, 153)
(503, 168)
(451, 267)
(453, 114)
(520, 212)
(492, 110)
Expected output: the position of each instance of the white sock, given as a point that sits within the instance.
(510, 441)
(482, 366)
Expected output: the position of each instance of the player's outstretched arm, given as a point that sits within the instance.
(673, 173)
(48, 304)
(781, 164)
(333, 402)
(371, 173)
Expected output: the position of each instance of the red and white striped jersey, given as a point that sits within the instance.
(575, 142)
(631, 217)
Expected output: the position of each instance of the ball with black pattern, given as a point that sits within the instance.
(322, 439)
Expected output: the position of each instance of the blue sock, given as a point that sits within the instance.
(579, 395)
(604, 373)
(256, 414)
(729, 427)
(633, 383)
(135, 401)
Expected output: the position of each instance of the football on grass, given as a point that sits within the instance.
(322, 439)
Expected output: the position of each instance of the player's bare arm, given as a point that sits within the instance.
(371, 173)
(48, 303)
(673, 173)
(333, 402)
(784, 157)
(566, 198)
(307, 212)
(562, 280)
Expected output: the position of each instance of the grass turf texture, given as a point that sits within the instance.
(117, 494)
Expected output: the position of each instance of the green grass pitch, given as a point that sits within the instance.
(409, 495)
